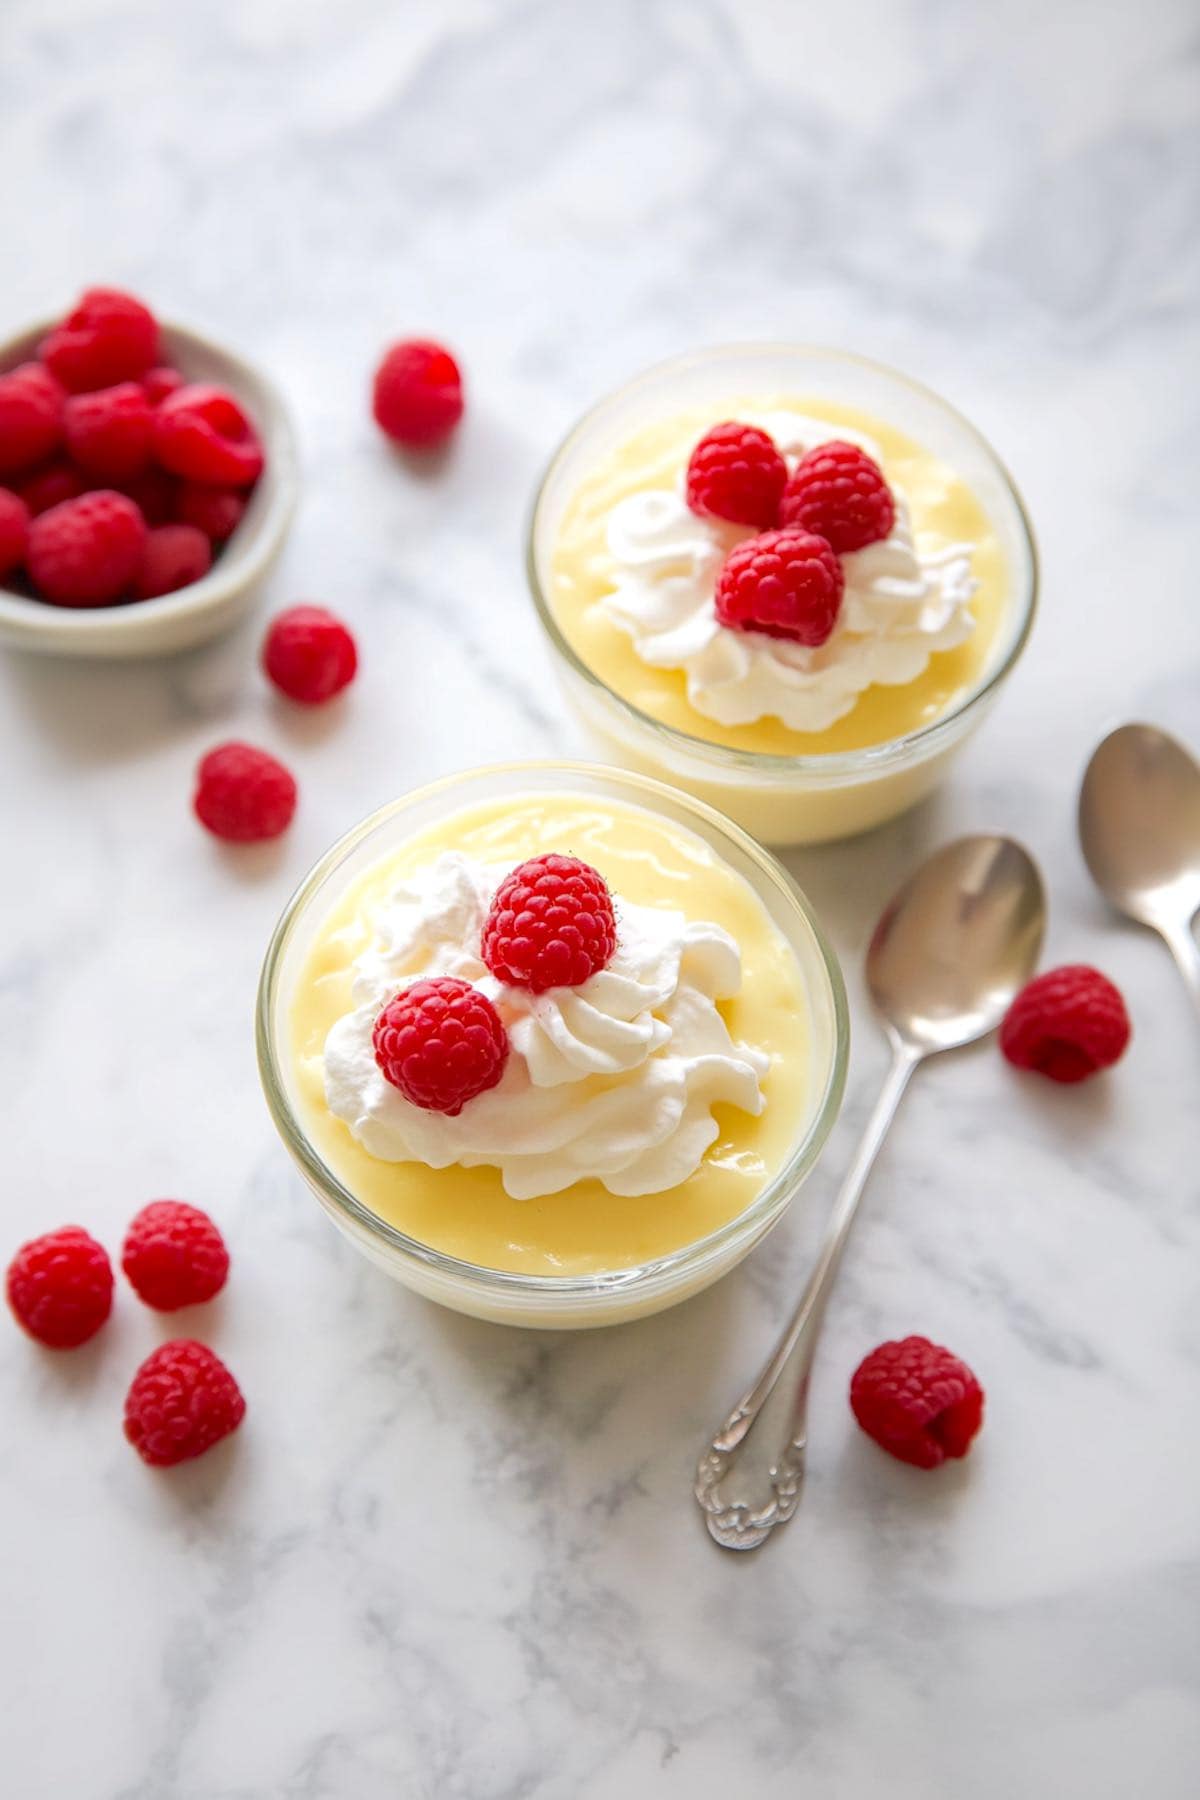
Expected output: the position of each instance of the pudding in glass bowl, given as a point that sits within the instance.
(798, 732)
(544, 1142)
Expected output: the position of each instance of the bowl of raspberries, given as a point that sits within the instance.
(147, 480)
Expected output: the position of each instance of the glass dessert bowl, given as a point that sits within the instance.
(643, 1127)
(797, 741)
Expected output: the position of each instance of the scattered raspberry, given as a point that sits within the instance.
(181, 1402)
(839, 492)
(243, 794)
(201, 433)
(14, 531)
(216, 511)
(786, 583)
(736, 472)
(109, 337)
(551, 924)
(60, 1287)
(418, 397)
(86, 552)
(154, 493)
(918, 1401)
(174, 556)
(50, 485)
(108, 431)
(30, 419)
(309, 654)
(1068, 1024)
(441, 1042)
(174, 1255)
(159, 382)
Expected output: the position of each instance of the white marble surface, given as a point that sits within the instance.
(445, 1560)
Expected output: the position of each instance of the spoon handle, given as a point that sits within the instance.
(1182, 944)
(748, 1480)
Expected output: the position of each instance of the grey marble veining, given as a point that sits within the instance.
(443, 1560)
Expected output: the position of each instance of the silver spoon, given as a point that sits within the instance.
(951, 950)
(1139, 827)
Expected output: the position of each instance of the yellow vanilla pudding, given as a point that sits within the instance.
(797, 738)
(625, 1136)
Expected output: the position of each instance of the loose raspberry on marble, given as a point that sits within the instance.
(736, 472)
(174, 1256)
(108, 337)
(309, 654)
(243, 795)
(31, 406)
(60, 1287)
(85, 552)
(216, 511)
(54, 482)
(1066, 1024)
(181, 1402)
(441, 1042)
(919, 1402)
(837, 491)
(551, 924)
(417, 397)
(158, 382)
(108, 431)
(201, 433)
(174, 556)
(786, 583)
(14, 531)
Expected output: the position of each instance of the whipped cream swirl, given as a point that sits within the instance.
(900, 605)
(614, 1079)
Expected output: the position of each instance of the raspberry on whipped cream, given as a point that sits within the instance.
(647, 1024)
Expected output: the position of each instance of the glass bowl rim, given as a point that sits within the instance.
(819, 766)
(656, 1271)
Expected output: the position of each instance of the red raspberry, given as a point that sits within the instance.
(201, 433)
(441, 1042)
(309, 654)
(918, 1401)
(551, 924)
(786, 584)
(418, 397)
(154, 493)
(60, 1287)
(243, 794)
(1068, 1024)
(86, 552)
(174, 1255)
(50, 485)
(30, 418)
(216, 511)
(109, 337)
(14, 531)
(108, 431)
(736, 472)
(181, 1402)
(841, 494)
(174, 557)
(159, 382)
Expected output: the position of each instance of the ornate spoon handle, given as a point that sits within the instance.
(748, 1480)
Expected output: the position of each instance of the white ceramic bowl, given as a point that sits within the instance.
(205, 607)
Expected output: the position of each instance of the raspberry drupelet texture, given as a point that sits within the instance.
(174, 1255)
(201, 433)
(736, 472)
(14, 531)
(919, 1402)
(417, 396)
(786, 584)
(85, 552)
(108, 431)
(158, 382)
(839, 492)
(309, 654)
(181, 1402)
(50, 485)
(551, 924)
(214, 510)
(60, 1287)
(174, 556)
(108, 337)
(441, 1042)
(243, 795)
(1066, 1024)
(31, 406)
